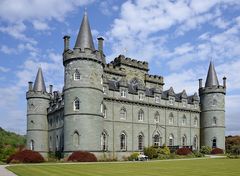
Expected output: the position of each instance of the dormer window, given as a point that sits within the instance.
(184, 103)
(141, 96)
(157, 99)
(123, 93)
(76, 75)
(171, 101)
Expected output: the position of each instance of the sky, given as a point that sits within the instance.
(178, 38)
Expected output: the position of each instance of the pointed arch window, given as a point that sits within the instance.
(76, 104)
(140, 141)
(195, 122)
(104, 110)
(184, 140)
(195, 143)
(140, 115)
(76, 140)
(123, 113)
(77, 75)
(214, 142)
(50, 143)
(171, 140)
(214, 121)
(157, 117)
(171, 119)
(57, 143)
(32, 145)
(156, 140)
(184, 120)
(104, 140)
(123, 141)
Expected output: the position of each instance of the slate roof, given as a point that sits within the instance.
(39, 84)
(212, 79)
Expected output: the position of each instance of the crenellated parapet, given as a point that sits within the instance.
(111, 69)
(122, 60)
(154, 79)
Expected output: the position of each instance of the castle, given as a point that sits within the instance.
(119, 108)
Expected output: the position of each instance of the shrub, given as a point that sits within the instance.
(25, 156)
(198, 154)
(217, 151)
(82, 156)
(164, 150)
(205, 150)
(183, 151)
(151, 152)
(235, 150)
(133, 156)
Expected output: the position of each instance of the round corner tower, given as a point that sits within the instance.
(212, 100)
(37, 124)
(83, 93)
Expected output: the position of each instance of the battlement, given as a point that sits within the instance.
(154, 79)
(122, 60)
(110, 68)
(215, 89)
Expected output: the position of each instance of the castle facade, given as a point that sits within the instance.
(118, 107)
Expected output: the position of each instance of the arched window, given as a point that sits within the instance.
(184, 140)
(104, 110)
(140, 115)
(76, 104)
(171, 140)
(184, 120)
(214, 121)
(195, 122)
(157, 117)
(57, 143)
(76, 139)
(123, 113)
(76, 75)
(50, 143)
(140, 141)
(214, 143)
(104, 141)
(123, 141)
(156, 140)
(195, 143)
(171, 119)
(32, 145)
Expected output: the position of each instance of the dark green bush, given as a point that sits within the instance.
(198, 154)
(151, 152)
(205, 150)
(133, 156)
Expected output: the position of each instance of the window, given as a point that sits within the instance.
(123, 114)
(76, 75)
(195, 122)
(157, 99)
(57, 143)
(214, 102)
(101, 79)
(50, 142)
(140, 115)
(184, 103)
(184, 120)
(32, 145)
(171, 140)
(76, 139)
(156, 117)
(214, 121)
(104, 90)
(123, 140)
(195, 105)
(171, 119)
(76, 105)
(104, 141)
(123, 93)
(184, 140)
(141, 96)
(171, 101)
(214, 143)
(156, 140)
(140, 142)
(195, 143)
(104, 110)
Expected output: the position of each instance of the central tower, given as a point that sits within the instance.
(83, 92)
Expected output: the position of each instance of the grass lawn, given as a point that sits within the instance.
(206, 167)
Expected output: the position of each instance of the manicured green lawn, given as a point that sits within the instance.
(206, 167)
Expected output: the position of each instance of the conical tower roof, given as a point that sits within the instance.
(84, 38)
(212, 79)
(39, 84)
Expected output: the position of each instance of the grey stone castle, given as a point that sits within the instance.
(119, 108)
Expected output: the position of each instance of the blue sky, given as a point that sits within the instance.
(177, 37)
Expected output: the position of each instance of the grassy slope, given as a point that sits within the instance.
(213, 167)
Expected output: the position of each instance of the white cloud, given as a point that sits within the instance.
(4, 69)
(39, 25)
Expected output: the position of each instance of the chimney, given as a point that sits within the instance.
(224, 82)
(30, 85)
(200, 83)
(50, 89)
(66, 42)
(100, 44)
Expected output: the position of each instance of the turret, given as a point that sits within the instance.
(83, 93)
(37, 126)
(212, 99)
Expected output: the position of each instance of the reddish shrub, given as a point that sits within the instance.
(25, 156)
(216, 151)
(183, 151)
(82, 156)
